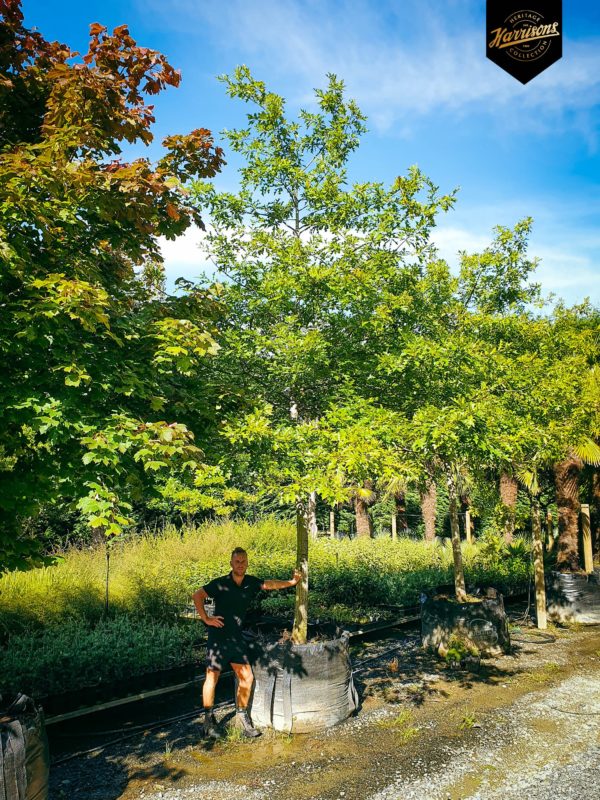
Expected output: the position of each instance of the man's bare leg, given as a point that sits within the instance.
(208, 701)
(245, 678)
(210, 684)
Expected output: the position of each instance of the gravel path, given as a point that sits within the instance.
(526, 726)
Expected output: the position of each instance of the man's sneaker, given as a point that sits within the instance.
(211, 729)
(244, 723)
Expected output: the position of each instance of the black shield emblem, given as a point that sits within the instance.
(524, 38)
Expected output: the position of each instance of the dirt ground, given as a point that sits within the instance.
(424, 731)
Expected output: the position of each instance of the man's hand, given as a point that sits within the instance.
(214, 622)
(296, 577)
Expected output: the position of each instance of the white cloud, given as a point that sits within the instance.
(568, 264)
(183, 257)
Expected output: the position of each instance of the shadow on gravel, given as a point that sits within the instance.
(146, 760)
(412, 674)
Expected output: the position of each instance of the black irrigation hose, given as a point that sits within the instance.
(578, 713)
(543, 638)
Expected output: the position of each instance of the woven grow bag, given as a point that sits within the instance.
(300, 688)
(24, 758)
(482, 624)
(574, 598)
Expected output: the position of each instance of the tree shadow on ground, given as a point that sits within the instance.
(128, 755)
(413, 674)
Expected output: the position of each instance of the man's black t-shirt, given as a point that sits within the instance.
(231, 603)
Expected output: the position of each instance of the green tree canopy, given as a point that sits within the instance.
(90, 345)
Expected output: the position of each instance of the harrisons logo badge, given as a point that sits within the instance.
(524, 41)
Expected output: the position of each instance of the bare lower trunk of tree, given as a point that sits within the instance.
(509, 491)
(429, 510)
(400, 512)
(596, 509)
(300, 628)
(364, 523)
(459, 575)
(538, 565)
(313, 528)
(566, 480)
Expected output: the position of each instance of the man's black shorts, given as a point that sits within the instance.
(230, 650)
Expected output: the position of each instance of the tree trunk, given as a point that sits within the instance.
(509, 491)
(400, 512)
(313, 528)
(468, 526)
(465, 503)
(549, 532)
(538, 565)
(586, 539)
(566, 479)
(364, 523)
(300, 628)
(596, 505)
(332, 524)
(429, 510)
(459, 575)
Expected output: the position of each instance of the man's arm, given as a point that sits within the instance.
(275, 584)
(199, 597)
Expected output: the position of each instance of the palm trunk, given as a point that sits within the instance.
(459, 575)
(566, 479)
(429, 509)
(300, 628)
(509, 491)
(364, 523)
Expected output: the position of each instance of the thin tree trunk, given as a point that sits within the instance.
(549, 532)
(300, 628)
(465, 502)
(429, 509)
(394, 528)
(459, 575)
(538, 564)
(364, 523)
(509, 491)
(468, 526)
(566, 479)
(313, 528)
(596, 505)
(400, 508)
(586, 539)
(332, 523)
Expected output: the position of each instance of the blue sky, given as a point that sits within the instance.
(417, 68)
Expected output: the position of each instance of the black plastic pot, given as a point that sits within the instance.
(302, 688)
(24, 759)
(574, 598)
(482, 624)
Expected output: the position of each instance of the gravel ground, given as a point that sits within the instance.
(524, 726)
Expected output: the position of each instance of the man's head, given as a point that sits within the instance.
(239, 561)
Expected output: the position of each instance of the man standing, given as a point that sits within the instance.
(232, 595)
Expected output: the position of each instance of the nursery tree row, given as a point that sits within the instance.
(331, 354)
